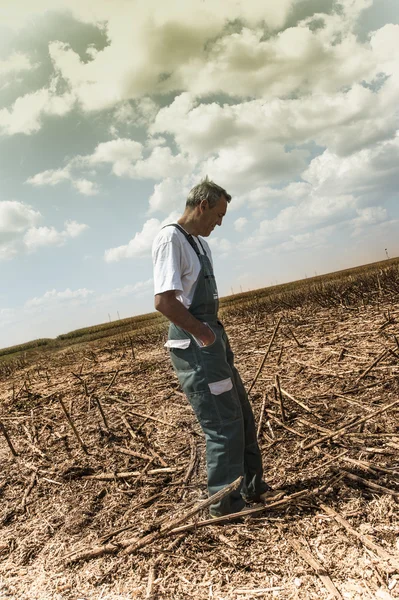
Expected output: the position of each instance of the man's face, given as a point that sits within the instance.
(210, 217)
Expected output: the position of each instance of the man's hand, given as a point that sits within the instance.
(208, 337)
(173, 309)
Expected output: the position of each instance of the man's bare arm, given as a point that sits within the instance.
(167, 304)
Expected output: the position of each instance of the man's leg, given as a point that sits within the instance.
(253, 485)
(207, 381)
(221, 420)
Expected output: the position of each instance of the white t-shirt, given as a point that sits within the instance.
(176, 265)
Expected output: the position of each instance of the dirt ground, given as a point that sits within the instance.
(137, 469)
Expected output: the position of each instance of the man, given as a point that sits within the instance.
(186, 293)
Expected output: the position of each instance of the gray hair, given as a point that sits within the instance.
(206, 190)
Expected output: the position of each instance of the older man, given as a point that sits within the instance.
(186, 293)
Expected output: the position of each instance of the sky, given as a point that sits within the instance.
(111, 111)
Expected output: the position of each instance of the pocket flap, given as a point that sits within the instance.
(219, 387)
(182, 344)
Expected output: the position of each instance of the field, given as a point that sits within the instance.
(103, 487)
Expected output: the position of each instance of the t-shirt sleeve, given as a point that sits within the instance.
(167, 267)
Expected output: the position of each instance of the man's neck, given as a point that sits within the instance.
(189, 223)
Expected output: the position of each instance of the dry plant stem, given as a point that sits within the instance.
(159, 458)
(144, 471)
(130, 474)
(100, 408)
(131, 545)
(150, 582)
(301, 404)
(276, 420)
(342, 430)
(280, 398)
(262, 413)
(106, 537)
(132, 453)
(167, 527)
(266, 354)
(280, 355)
(369, 484)
(192, 463)
(8, 439)
(365, 539)
(332, 459)
(72, 424)
(371, 467)
(243, 513)
(373, 364)
(112, 380)
(132, 412)
(295, 338)
(128, 427)
(82, 381)
(152, 572)
(316, 565)
(28, 490)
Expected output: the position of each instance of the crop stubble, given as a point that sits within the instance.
(144, 466)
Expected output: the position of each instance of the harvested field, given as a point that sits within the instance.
(77, 504)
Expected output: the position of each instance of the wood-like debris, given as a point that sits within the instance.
(103, 485)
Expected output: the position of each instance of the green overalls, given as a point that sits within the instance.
(215, 391)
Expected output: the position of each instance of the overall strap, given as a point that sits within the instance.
(189, 238)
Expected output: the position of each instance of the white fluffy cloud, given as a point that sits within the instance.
(136, 289)
(54, 177)
(16, 217)
(19, 230)
(189, 47)
(120, 153)
(15, 63)
(170, 194)
(125, 157)
(140, 244)
(37, 237)
(25, 114)
(54, 297)
(252, 164)
(365, 173)
(240, 223)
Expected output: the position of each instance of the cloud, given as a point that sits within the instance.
(311, 213)
(53, 297)
(140, 244)
(168, 195)
(26, 113)
(251, 164)
(345, 121)
(85, 187)
(240, 224)
(15, 63)
(304, 241)
(37, 237)
(50, 177)
(126, 159)
(240, 50)
(371, 174)
(54, 177)
(16, 217)
(136, 289)
(221, 247)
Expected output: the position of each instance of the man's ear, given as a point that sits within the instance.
(203, 205)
